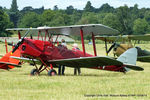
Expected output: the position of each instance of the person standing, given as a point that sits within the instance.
(61, 68)
(76, 69)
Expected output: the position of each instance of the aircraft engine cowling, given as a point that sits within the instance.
(29, 50)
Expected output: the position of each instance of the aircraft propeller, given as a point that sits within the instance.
(113, 46)
(20, 42)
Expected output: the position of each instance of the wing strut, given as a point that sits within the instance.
(82, 39)
(19, 35)
(39, 32)
(46, 32)
(94, 46)
(106, 47)
(6, 46)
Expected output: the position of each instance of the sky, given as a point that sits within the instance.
(79, 4)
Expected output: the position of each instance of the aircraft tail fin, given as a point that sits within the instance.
(8, 63)
(129, 58)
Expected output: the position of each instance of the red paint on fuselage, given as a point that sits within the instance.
(47, 51)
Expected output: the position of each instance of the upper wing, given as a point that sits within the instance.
(22, 30)
(97, 29)
(113, 38)
(140, 37)
(124, 38)
(87, 62)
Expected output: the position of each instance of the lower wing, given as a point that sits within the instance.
(144, 58)
(77, 62)
(87, 62)
(4, 65)
(84, 62)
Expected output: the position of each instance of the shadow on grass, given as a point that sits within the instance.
(117, 74)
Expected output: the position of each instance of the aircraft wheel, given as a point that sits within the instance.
(34, 72)
(52, 72)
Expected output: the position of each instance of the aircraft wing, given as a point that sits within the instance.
(124, 38)
(26, 60)
(7, 63)
(140, 37)
(84, 62)
(112, 38)
(143, 58)
(22, 30)
(87, 61)
(97, 29)
(78, 62)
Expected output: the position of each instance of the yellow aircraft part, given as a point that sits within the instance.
(122, 48)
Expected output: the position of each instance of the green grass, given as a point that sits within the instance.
(17, 84)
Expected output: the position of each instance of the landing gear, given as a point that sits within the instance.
(52, 72)
(44, 66)
(34, 72)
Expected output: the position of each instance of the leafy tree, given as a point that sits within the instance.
(124, 17)
(47, 17)
(147, 16)
(69, 10)
(55, 8)
(140, 26)
(1, 7)
(88, 18)
(134, 11)
(30, 19)
(112, 21)
(26, 10)
(100, 17)
(14, 13)
(4, 23)
(39, 10)
(14, 6)
(58, 21)
(75, 17)
(88, 7)
(142, 12)
(121, 18)
(106, 8)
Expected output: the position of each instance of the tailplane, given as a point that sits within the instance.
(8, 63)
(128, 58)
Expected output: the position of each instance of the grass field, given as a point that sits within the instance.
(17, 84)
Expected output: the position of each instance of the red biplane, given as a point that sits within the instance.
(44, 52)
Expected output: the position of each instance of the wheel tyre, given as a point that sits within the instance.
(34, 72)
(52, 72)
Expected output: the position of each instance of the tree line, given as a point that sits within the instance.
(127, 20)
